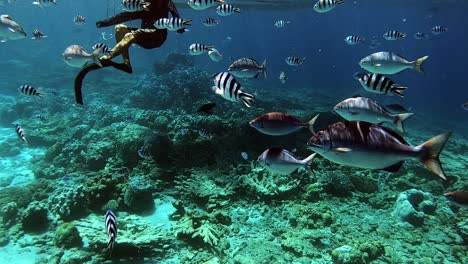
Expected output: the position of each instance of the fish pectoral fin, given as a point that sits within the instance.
(342, 150)
(377, 65)
(394, 168)
(11, 30)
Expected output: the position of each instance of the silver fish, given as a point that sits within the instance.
(247, 68)
(365, 109)
(37, 35)
(389, 63)
(226, 86)
(282, 77)
(281, 161)
(44, 3)
(76, 56)
(215, 55)
(323, 6)
(370, 146)
(279, 124)
(10, 29)
(203, 4)
(227, 10)
(421, 36)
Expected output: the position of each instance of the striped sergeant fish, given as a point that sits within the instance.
(295, 61)
(172, 24)
(370, 146)
(394, 35)
(281, 23)
(279, 124)
(227, 87)
(389, 63)
(210, 22)
(421, 36)
(111, 228)
(203, 4)
(439, 30)
(227, 10)
(365, 109)
(198, 49)
(353, 40)
(121, 171)
(104, 48)
(135, 5)
(37, 35)
(79, 20)
(281, 161)
(44, 3)
(377, 83)
(40, 117)
(205, 133)
(323, 6)
(20, 133)
(29, 90)
(144, 153)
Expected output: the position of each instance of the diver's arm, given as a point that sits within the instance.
(120, 18)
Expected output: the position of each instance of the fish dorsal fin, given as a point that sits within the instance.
(275, 151)
(253, 60)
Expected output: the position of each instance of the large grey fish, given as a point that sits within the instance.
(281, 161)
(279, 124)
(10, 29)
(458, 198)
(76, 56)
(247, 68)
(370, 146)
(389, 63)
(365, 109)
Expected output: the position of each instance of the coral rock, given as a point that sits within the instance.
(67, 236)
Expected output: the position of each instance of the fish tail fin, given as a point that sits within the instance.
(247, 99)
(264, 69)
(399, 119)
(308, 162)
(54, 1)
(339, 2)
(95, 55)
(146, 6)
(237, 10)
(310, 124)
(418, 64)
(41, 95)
(187, 22)
(430, 153)
(398, 90)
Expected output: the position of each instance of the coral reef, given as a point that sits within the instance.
(412, 205)
(69, 202)
(35, 218)
(67, 236)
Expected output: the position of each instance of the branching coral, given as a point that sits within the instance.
(209, 233)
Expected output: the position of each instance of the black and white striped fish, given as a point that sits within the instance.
(198, 49)
(295, 61)
(353, 40)
(438, 30)
(37, 35)
(210, 22)
(323, 6)
(121, 171)
(104, 48)
(29, 90)
(227, 10)
(394, 35)
(227, 87)
(44, 3)
(40, 117)
(135, 5)
(20, 133)
(203, 4)
(205, 133)
(79, 20)
(380, 84)
(111, 229)
(144, 153)
(281, 23)
(172, 24)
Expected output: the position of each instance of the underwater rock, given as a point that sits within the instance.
(67, 236)
(411, 206)
(9, 213)
(76, 257)
(111, 205)
(35, 218)
(139, 195)
(337, 184)
(172, 61)
(21, 196)
(69, 202)
(360, 253)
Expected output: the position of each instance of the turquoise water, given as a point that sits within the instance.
(196, 199)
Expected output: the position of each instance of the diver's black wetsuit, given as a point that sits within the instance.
(148, 36)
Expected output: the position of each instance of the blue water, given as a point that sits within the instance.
(435, 97)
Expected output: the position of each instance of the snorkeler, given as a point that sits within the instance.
(148, 37)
